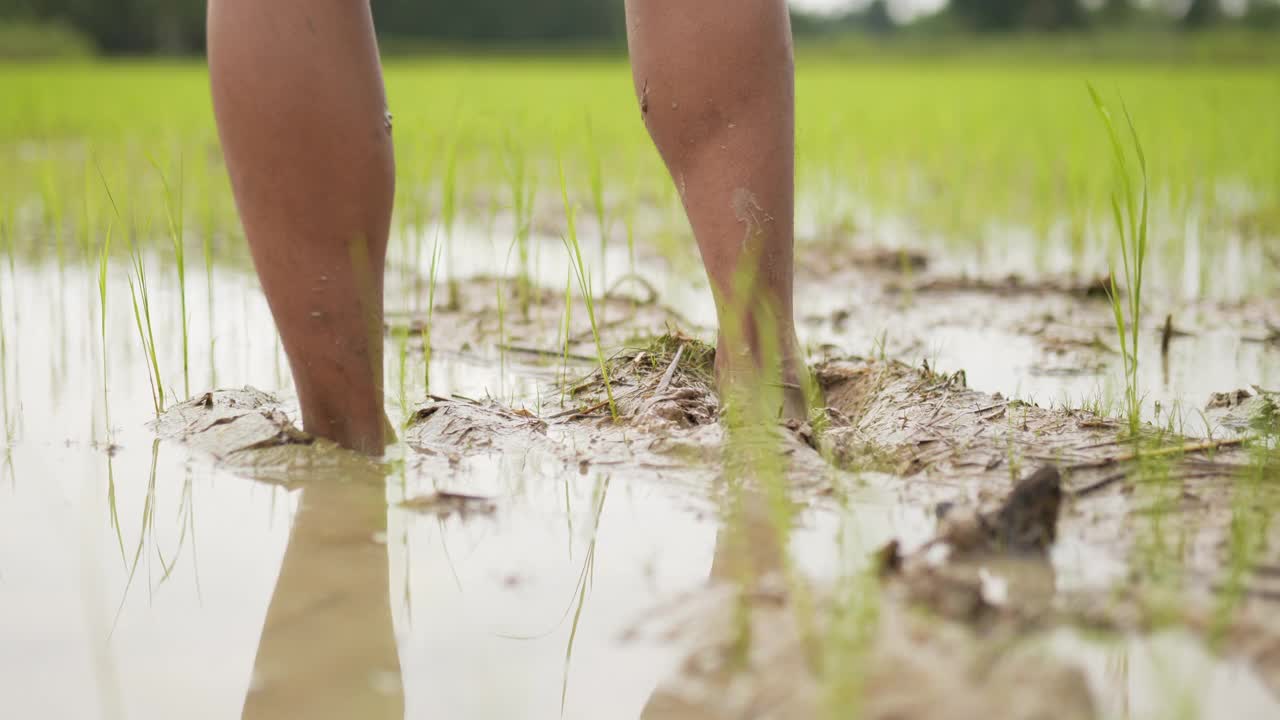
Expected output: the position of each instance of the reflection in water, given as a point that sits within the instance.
(328, 648)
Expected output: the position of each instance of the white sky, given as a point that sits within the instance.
(901, 9)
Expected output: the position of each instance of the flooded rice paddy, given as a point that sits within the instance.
(520, 555)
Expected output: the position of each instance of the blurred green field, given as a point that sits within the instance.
(1004, 166)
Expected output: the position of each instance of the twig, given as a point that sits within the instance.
(648, 286)
(1162, 452)
(981, 410)
(1102, 484)
(580, 412)
(671, 371)
(544, 353)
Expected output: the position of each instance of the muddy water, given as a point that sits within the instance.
(140, 579)
(1164, 676)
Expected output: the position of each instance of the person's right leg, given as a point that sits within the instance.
(302, 114)
(715, 80)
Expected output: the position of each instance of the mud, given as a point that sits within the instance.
(1055, 334)
(608, 559)
(990, 589)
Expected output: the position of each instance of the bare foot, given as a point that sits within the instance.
(743, 370)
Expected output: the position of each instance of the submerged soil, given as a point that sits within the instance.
(530, 549)
(1048, 522)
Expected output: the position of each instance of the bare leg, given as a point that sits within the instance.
(301, 112)
(715, 80)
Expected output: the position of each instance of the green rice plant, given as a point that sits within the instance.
(502, 334)
(104, 257)
(583, 274)
(88, 213)
(11, 416)
(1130, 209)
(597, 201)
(566, 331)
(141, 297)
(7, 222)
(54, 212)
(431, 308)
(629, 224)
(448, 215)
(175, 214)
(523, 189)
(402, 348)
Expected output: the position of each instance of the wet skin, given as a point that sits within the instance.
(302, 115)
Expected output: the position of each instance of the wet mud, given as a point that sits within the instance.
(1046, 520)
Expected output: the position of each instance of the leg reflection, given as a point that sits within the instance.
(328, 648)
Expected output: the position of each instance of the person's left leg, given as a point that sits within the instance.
(298, 95)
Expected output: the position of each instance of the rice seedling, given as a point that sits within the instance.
(175, 214)
(11, 415)
(523, 189)
(141, 298)
(6, 224)
(566, 332)
(51, 200)
(1130, 210)
(137, 277)
(502, 334)
(583, 275)
(448, 215)
(401, 335)
(104, 256)
(598, 202)
(431, 308)
(629, 225)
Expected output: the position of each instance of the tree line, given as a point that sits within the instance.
(177, 26)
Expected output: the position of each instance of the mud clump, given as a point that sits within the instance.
(228, 423)
(456, 427)
(667, 381)
(1025, 524)
(252, 433)
(952, 573)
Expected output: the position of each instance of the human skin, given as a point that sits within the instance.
(302, 115)
(716, 84)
